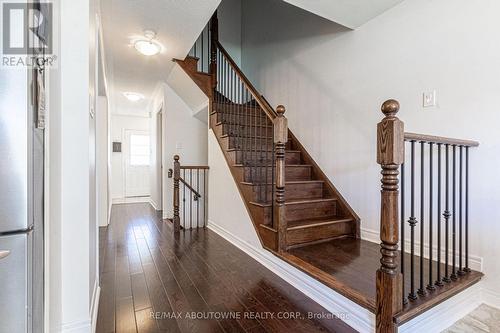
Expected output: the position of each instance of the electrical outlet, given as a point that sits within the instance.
(429, 99)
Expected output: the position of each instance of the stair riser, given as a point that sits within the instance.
(318, 233)
(239, 157)
(305, 211)
(292, 192)
(295, 173)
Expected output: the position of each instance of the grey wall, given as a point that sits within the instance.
(229, 14)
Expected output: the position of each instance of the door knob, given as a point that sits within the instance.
(4, 254)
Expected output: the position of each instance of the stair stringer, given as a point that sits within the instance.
(237, 207)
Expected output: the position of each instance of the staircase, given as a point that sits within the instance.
(315, 211)
(302, 218)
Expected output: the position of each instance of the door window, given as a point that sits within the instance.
(139, 150)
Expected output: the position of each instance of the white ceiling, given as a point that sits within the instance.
(177, 23)
(349, 13)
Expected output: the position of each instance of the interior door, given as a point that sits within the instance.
(137, 162)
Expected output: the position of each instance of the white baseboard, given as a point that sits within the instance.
(475, 262)
(354, 315)
(491, 298)
(152, 203)
(119, 201)
(94, 310)
(83, 326)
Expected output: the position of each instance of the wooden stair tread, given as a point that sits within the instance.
(317, 222)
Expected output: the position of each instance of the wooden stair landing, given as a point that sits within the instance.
(349, 265)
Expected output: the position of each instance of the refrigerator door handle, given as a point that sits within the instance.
(4, 254)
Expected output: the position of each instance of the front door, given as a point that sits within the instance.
(137, 160)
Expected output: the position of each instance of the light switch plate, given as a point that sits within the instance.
(178, 145)
(429, 99)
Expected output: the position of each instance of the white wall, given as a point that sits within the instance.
(223, 192)
(103, 148)
(120, 123)
(68, 191)
(184, 135)
(333, 81)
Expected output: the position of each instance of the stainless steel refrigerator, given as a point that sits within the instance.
(21, 202)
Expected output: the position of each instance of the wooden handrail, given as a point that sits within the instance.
(440, 139)
(260, 100)
(195, 167)
(190, 187)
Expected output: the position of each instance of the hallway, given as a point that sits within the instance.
(154, 282)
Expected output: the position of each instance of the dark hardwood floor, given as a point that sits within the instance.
(152, 281)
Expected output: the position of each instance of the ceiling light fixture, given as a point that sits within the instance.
(133, 97)
(148, 46)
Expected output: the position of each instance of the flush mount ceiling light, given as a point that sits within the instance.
(133, 97)
(148, 46)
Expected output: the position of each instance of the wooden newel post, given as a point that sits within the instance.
(280, 125)
(390, 155)
(177, 176)
(214, 37)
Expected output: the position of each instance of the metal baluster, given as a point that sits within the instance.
(454, 215)
(467, 269)
(244, 153)
(204, 198)
(422, 291)
(460, 209)
(198, 199)
(190, 200)
(267, 190)
(403, 222)
(262, 161)
(195, 48)
(184, 201)
(447, 215)
(430, 286)
(202, 51)
(413, 222)
(439, 282)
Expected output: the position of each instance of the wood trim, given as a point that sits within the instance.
(440, 139)
(261, 101)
